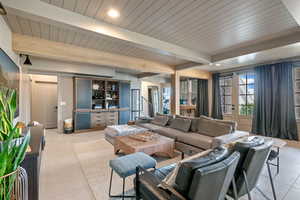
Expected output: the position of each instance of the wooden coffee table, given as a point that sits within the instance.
(157, 144)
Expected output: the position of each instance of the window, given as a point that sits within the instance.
(166, 95)
(184, 91)
(188, 91)
(226, 94)
(297, 92)
(194, 83)
(246, 93)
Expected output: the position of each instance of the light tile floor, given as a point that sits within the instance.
(63, 176)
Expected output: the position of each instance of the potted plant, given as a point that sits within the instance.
(13, 144)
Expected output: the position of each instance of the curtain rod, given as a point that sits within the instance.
(251, 66)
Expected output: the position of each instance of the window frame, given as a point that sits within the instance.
(224, 95)
(246, 94)
(296, 89)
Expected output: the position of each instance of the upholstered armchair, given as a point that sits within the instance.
(207, 177)
(254, 152)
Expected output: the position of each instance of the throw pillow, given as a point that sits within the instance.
(160, 120)
(213, 128)
(181, 124)
(169, 180)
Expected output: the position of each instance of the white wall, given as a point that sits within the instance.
(6, 45)
(65, 99)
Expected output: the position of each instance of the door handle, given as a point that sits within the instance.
(232, 107)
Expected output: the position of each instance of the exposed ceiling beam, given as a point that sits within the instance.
(195, 73)
(187, 65)
(287, 39)
(60, 51)
(146, 74)
(293, 7)
(38, 10)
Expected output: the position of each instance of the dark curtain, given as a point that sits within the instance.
(274, 111)
(202, 98)
(216, 95)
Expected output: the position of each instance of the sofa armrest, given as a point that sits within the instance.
(228, 138)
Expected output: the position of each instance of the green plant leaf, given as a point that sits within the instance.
(8, 123)
(22, 151)
(12, 104)
(3, 161)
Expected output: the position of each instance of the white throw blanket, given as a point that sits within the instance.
(122, 130)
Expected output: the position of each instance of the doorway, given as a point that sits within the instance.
(44, 100)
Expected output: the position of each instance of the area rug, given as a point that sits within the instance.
(94, 159)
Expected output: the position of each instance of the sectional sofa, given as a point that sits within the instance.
(193, 135)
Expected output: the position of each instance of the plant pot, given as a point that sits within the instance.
(19, 189)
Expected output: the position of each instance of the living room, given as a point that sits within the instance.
(156, 99)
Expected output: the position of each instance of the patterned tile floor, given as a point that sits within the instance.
(75, 167)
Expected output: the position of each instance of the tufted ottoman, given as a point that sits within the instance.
(126, 166)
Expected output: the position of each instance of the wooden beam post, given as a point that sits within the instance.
(175, 93)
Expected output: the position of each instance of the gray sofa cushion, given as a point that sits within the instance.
(196, 139)
(187, 169)
(150, 126)
(194, 122)
(206, 117)
(170, 117)
(160, 120)
(181, 124)
(213, 128)
(232, 123)
(170, 132)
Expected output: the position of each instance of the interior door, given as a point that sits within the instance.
(44, 103)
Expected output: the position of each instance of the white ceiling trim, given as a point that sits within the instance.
(293, 7)
(38, 10)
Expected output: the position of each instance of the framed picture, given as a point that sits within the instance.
(9, 74)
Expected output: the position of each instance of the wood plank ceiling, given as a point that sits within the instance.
(208, 26)
(204, 25)
(75, 37)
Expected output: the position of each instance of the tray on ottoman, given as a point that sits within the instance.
(147, 142)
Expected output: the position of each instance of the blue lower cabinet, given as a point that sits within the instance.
(124, 117)
(83, 120)
(83, 94)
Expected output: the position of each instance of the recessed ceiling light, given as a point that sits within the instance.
(113, 13)
(218, 64)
